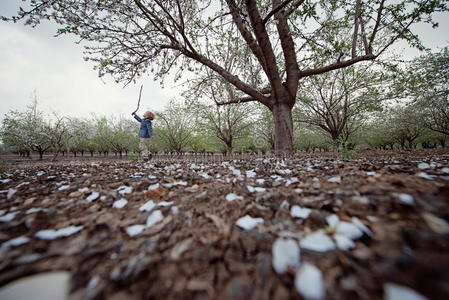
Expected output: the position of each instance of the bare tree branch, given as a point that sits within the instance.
(376, 27)
(356, 29)
(275, 10)
(295, 6)
(335, 66)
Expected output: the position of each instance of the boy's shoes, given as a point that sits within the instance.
(150, 156)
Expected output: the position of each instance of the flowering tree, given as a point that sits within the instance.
(285, 39)
(228, 124)
(337, 102)
(27, 130)
(175, 127)
(426, 82)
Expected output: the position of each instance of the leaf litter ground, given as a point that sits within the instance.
(313, 227)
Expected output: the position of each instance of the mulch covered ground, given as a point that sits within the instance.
(174, 229)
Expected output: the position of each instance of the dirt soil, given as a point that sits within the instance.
(196, 250)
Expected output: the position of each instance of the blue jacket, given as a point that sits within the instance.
(146, 129)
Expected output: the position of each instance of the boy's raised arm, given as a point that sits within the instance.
(137, 118)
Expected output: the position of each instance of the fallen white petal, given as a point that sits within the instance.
(155, 217)
(11, 193)
(147, 206)
(16, 241)
(299, 212)
(349, 230)
(343, 243)
(372, 219)
(199, 196)
(362, 226)
(371, 173)
(33, 210)
(445, 170)
(165, 203)
(194, 167)
(284, 172)
(235, 171)
(120, 203)
(51, 234)
(335, 179)
(317, 241)
(91, 286)
(93, 196)
(262, 181)
(291, 180)
(64, 187)
(47, 285)
(405, 199)
(285, 255)
(426, 176)
(299, 191)
(260, 189)
(247, 222)
(438, 225)
(231, 197)
(153, 186)
(204, 175)
(250, 189)
(309, 282)
(134, 229)
(169, 185)
(250, 174)
(174, 210)
(333, 220)
(124, 190)
(423, 166)
(8, 217)
(398, 292)
(22, 184)
(284, 204)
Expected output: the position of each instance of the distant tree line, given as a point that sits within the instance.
(361, 107)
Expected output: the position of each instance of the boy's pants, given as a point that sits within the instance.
(143, 146)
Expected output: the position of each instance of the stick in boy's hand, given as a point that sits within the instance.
(138, 103)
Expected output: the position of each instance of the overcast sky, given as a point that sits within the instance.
(34, 60)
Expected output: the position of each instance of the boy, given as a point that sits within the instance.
(145, 133)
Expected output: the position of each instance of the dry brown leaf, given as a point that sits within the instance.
(180, 248)
(159, 192)
(198, 285)
(438, 225)
(221, 225)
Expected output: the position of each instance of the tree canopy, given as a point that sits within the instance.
(427, 84)
(276, 42)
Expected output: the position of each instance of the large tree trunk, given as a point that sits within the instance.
(283, 129)
(335, 144)
(229, 147)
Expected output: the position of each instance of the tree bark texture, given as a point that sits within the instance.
(283, 129)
